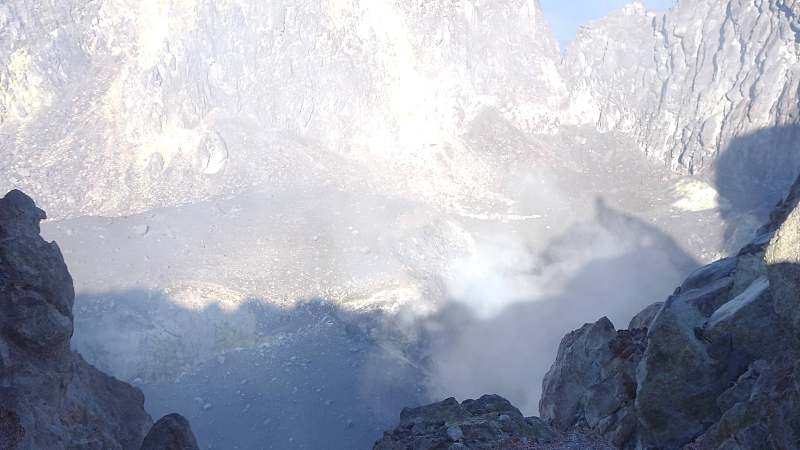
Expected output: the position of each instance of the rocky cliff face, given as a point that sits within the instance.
(715, 366)
(690, 83)
(51, 397)
(488, 423)
(197, 97)
(162, 102)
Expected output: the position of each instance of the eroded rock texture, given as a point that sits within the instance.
(487, 423)
(218, 97)
(690, 81)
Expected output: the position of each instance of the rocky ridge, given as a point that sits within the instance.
(488, 423)
(693, 83)
(219, 98)
(51, 397)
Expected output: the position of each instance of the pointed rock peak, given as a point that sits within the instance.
(171, 432)
(634, 9)
(19, 215)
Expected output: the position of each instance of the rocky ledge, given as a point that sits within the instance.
(50, 398)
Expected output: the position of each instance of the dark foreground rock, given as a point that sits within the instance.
(171, 432)
(488, 423)
(716, 366)
(50, 398)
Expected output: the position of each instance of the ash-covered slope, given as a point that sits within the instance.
(51, 397)
(688, 82)
(715, 366)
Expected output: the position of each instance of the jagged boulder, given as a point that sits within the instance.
(51, 398)
(762, 410)
(783, 268)
(592, 384)
(171, 432)
(674, 352)
(644, 318)
(490, 422)
(581, 356)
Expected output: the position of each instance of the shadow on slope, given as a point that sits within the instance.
(752, 175)
(250, 375)
(614, 266)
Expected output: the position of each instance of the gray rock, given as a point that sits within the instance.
(763, 409)
(50, 397)
(747, 324)
(708, 287)
(643, 319)
(749, 266)
(581, 356)
(454, 433)
(783, 268)
(171, 432)
(592, 384)
(489, 422)
(675, 362)
(504, 50)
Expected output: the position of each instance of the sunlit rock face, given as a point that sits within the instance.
(687, 83)
(164, 102)
(161, 102)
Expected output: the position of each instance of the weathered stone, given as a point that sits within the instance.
(708, 287)
(749, 266)
(783, 268)
(767, 417)
(718, 367)
(581, 356)
(677, 383)
(643, 319)
(489, 422)
(747, 324)
(171, 432)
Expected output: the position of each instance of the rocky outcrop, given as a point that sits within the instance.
(488, 423)
(49, 396)
(600, 357)
(712, 367)
(171, 432)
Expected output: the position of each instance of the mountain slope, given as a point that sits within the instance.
(688, 82)
(164, 102)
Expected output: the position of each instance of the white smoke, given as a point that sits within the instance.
(510, 306)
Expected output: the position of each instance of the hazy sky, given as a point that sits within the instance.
(566, 16)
